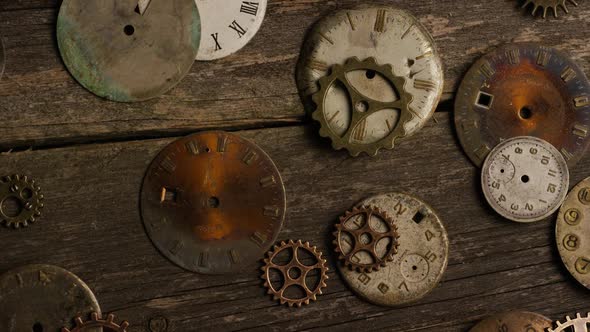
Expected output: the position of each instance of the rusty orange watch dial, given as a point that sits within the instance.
(213, 202)
(524, 89)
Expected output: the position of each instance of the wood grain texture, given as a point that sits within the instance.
(42, 105)
(92, 226)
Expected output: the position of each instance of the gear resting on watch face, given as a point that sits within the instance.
(21, 201)
(289, 270)
(366, 239)
(362, 106)
(577, 324)
(96, 322)
(545, 5)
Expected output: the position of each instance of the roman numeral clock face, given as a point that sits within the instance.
(213, 202)
(228, 25)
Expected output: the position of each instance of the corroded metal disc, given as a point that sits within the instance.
(120, 54)
(421, 258)
(524, 90)
(573, 231)
(43, 298)
(213, 202)
(513, 321)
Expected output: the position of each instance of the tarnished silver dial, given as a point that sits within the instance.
(572, 232)
(228, 25)
(392, 37)
(525, 179)
(421, 258)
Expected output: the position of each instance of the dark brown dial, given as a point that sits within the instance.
(213, 202)
(524, 89)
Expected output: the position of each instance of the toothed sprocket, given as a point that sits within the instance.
(366, 237)
(545, 5)
(294, 273)
(358, 134)
(107, 324)
(21, 201)
(578, 324)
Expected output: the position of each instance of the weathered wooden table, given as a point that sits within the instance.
(90, 156)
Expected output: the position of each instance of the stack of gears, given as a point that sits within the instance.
(214, 202)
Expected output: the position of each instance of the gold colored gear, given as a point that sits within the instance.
(295, 263)
(373, 235)
(27, 194)
(108, 324)
(546, 4)
(578, 324)
(338, 74)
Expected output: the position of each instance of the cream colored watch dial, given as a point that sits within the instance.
(392, 36)
(228, 25)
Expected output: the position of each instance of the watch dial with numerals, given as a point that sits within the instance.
(525, 179)
(421, 258)
(213, 202)
(524, 89)
(228, 25)
(392, 37)
(514, 321)
(573, 231)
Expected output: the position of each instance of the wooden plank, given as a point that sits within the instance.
(92, 226)
(42, 105)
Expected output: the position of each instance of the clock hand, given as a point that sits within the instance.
(142, 6)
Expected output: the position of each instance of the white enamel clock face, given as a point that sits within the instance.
(391, 36)
(228, 25)
(525, 179)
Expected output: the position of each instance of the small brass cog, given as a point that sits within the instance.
(545, 5)
(294, 273)
(25, 197)
(366, 238)
(108, 324)
(578, 324)
(362, 108)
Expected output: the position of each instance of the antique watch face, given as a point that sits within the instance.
(213, 202)
(391, 37)
(228, 25)
(123, 53)
(513, 321)
(43, 298)
(572, 232)
(420, 259)
(525, 179)
(524, 90)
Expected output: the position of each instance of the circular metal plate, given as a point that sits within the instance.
(514, 321)
(228, 25)
(391, 36)
(213, 202)
(572, 232)
(43, 298)
(422, 255)
(523, 90)
(120, 54)
(525, 179)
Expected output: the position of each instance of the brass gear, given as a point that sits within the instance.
(302, 269)
(578, 324)
(372, 237)
(108, 324)
(338, 74)
(26, 194)
(545, 5)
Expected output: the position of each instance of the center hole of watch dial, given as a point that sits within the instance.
(525, 113)
(525, 178)
(414, 268)
(366, 238)
(362, 106)
(129, 30)
(294, 273)
(38, 327)
(370, 74)
(213, 202)
(502, 170)
(11, 207)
